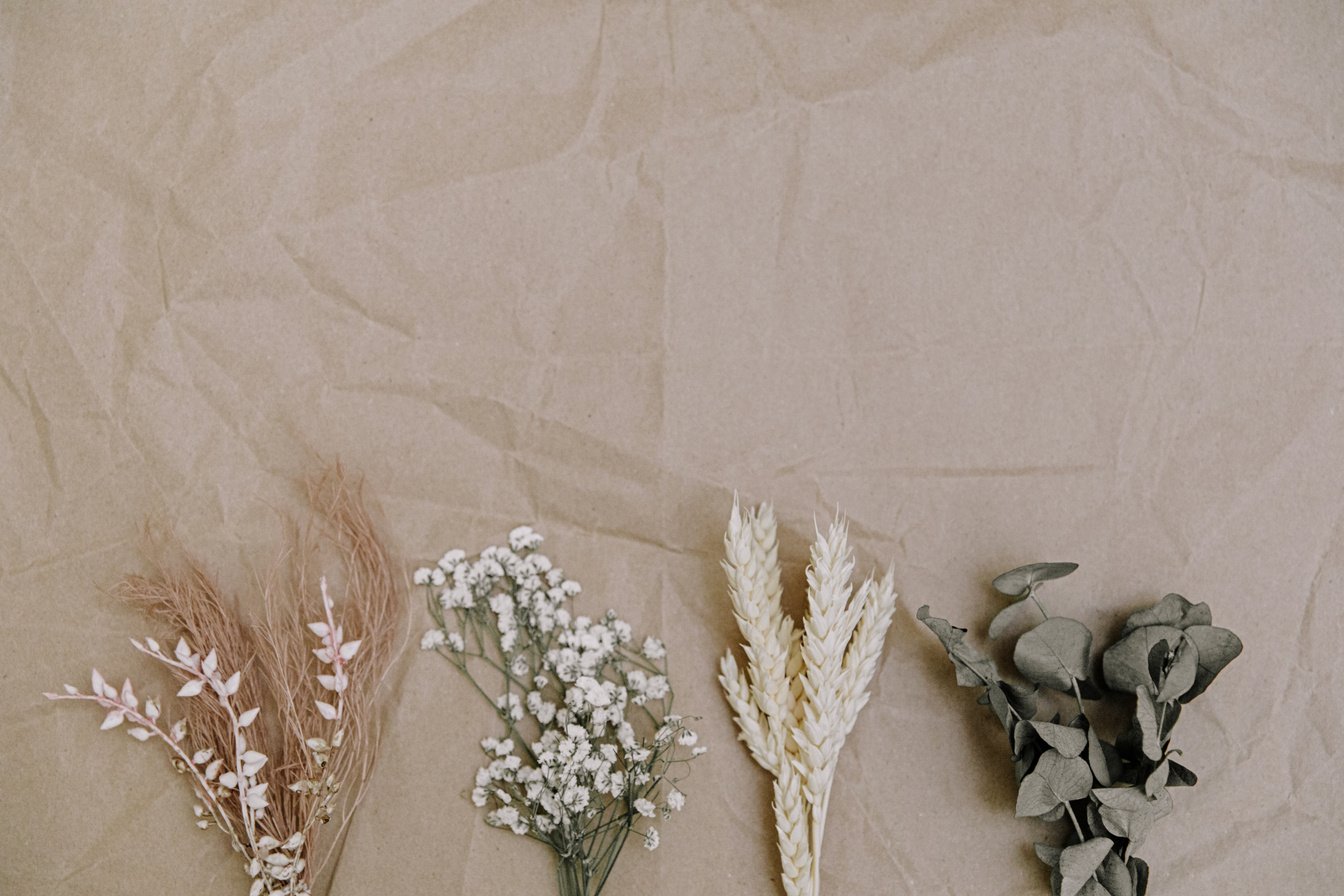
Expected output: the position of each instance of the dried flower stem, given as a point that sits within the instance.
(803, 686)
(312, 728)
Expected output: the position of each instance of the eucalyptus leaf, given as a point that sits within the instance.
(1021, 699)
(1124, 665)
(1078, 862)
(1054, 814)
(1048, 854)
(1127, 811)
(1172, 610)
(1181, 675)
(1054, 653)
(1096, 759)
(1157, 779)
(1217, 647)
(1180, 775)
(1057, 779)
(998, 702)
(1146, 713)
(1018, 582)
(1070, 742)
(1002, 619)
(973, 668)
(1138, 872)
(1114, 876)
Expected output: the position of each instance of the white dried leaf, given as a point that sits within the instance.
(294, 842)
(113, 719)
(179, 730)
(231, 686)
(268, 843)
(321, 629)
(317, 744)
(246, 718)
(213, 768)
(202, 824)
(228, 780)
(153, 645)
(210, 663)
(182, 651)
(257, 886)
(70, 689)
(140, 734)
(191, 688)
(128, 695)
(98, 683)
(201, 756)
(152, 710)
(323, 654)
(348, 649)
(326, 709)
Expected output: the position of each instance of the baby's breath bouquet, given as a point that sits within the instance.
(589, 739)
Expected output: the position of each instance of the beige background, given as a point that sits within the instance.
(1006, 282)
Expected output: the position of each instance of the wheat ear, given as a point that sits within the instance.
(803, 686)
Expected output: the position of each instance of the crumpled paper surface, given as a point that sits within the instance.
(1004, 283)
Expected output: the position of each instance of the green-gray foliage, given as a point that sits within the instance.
(1110, 790)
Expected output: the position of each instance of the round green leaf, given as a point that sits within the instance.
(1054, 653)
(1017, 582)
(1124, 665)
(1076, 863)
(1217, 647)
(1056, 780)
(1172, 610)
(1068, 741)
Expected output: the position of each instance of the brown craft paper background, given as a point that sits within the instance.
(1004, 282)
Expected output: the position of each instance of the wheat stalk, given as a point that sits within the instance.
(803, 686)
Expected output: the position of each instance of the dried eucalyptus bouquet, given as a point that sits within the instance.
(804, 684)
(1111, 791)
(588, 741)
(278, 724)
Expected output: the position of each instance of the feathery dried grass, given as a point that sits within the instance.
(803, 687)
(276, 657)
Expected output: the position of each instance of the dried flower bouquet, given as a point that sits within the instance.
(589, 738)
(279, 718)
(803, 685)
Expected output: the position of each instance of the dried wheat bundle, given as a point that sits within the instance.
(279, 724)
(803, 686)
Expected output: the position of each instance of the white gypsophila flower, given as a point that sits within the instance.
(687, 738)
(455, 642)
(676, 800)
(651, 839)
(421, 576)
(524, 539)
(657, 687)
(432, 639)
(571, 678)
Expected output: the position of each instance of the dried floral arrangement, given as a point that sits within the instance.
(279, 718)
(589, 740)
(1111, 791)
(803, 685)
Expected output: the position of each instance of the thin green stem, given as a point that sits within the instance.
(1032, 595)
